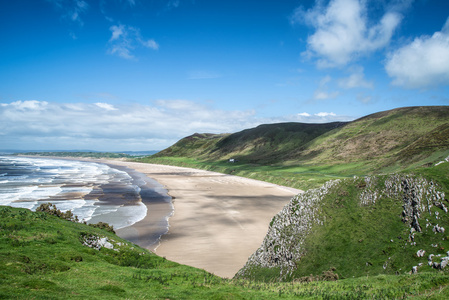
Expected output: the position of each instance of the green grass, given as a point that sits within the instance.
(357, 240)
(42, 257)
(300, 177)
(305, 156)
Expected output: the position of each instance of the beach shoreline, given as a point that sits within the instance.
(218, 221)
(203, 219)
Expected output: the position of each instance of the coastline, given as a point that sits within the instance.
(218, 221)
(204, 219)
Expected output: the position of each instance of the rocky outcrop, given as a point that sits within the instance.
(283, 248)
(283, 244)
(98, 242)
(418, 195)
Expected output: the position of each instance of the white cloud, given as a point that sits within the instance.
(342, 31)
(355, 80)
(422, 63)
(324, 95)
(322, 92)
(72, 9)
(325, 114)
(126, 38)
(28, 105)
(150, 44)
(102, 126)
(105, 106)
(131, 2)
(117, 31)
(364, 98)
(173, 4)
(321, 117)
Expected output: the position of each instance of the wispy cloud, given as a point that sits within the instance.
(355, 80)
(173, 4)
(363, 98)
(130, 2)
(423, 63)
(343, 32)
(105, 106)
(72, 9)
(320, 117)
(125, 39)
(322, 92)
(103, 126)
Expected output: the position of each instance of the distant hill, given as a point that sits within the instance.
(398, 138)
(265, 143)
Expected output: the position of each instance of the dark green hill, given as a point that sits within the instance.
(268, 143)
(406, 135)
(403, 136)
(306, 155)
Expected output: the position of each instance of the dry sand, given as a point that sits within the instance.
(219, 220)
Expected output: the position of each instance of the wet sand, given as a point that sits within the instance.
(218, 220)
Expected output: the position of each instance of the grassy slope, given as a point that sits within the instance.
(358, 240)
(307, 155)
(365, 240)
(399, 137)
(41, 257)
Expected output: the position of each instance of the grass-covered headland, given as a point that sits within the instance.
(44, 256)
(306, 156)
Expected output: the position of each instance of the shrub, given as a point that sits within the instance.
(51, 209)
(103, 225)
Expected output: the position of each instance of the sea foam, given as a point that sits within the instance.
(93, 192)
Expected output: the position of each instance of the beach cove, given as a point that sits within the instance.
(218, 220)
(204, 219)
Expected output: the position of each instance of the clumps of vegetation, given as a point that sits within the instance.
(51, 209)
(328, 275)
(103, 225)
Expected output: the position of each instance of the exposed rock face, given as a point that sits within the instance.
(283, 245)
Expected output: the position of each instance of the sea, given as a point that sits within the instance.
(94, 192)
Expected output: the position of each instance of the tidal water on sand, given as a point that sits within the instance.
(92, 191)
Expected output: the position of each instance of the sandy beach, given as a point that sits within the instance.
(219, 220)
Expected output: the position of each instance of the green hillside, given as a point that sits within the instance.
(383, 224)
(269, 143)
(307, 155)
(46, 257)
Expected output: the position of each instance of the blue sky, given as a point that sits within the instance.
(116, 75)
